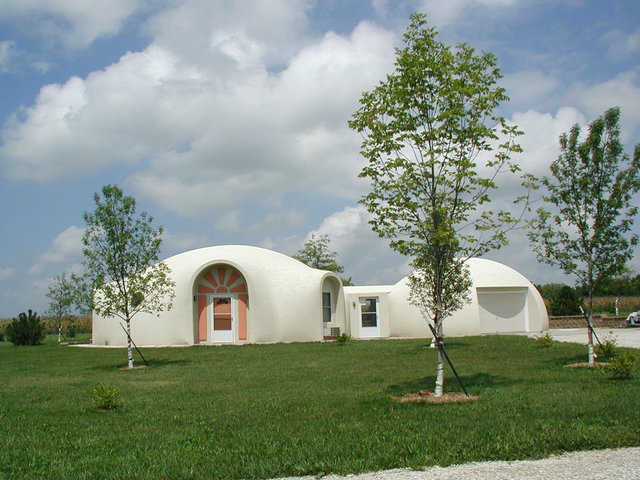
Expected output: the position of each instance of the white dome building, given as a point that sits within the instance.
(237, 294)
(240, 294)
(502, 301)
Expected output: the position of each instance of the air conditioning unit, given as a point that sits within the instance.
(335, 331)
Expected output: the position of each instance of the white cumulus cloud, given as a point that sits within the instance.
(7, 50)
(205, 135)
(75, 23)
(65, 249)
(6, 272)
(623, 91)
(446, 12)
(622, 44)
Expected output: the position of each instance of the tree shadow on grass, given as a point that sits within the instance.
(561, 361)
(476, 382)
(449, 345)
(151, 363)
(161, 362)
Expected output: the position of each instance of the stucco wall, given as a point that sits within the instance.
(284, 299)
(285, 302)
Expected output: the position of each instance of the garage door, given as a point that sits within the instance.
(503, 310)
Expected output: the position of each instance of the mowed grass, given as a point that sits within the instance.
(263, 411)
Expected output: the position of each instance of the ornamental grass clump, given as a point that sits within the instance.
(544, 341)
(106, 397)
(622, 367)
(607, 349)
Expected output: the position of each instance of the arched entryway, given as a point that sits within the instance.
(331, 327)
(223, 300)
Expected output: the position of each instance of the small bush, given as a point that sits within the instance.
(106, 397)
(622, 366)
(71, 329)
(26, 329)
(607, 350)
(343, 338)
(566, 301)
(544, 341)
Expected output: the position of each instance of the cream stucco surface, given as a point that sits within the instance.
(285, 299)
(504, 286)
(285, 302)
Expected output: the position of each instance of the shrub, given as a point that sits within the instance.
(71, 329)
(26, 329)
(343, 338)
(106, 397)
(622, 366)
(566, 302)
(607, 350)
(544, 341)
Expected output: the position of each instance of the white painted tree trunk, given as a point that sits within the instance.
(59, 334)
(439, 376)
(433, 339)
(129, 350)
(592, 357)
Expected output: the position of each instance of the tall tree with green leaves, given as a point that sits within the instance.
(436, 149)
(316, 254)
(589, 212)
(61, 300)
(121, 257)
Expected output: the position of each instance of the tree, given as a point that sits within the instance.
(590, 194)
(61, 299)
(316, 254)
(121, 251)
(27, 329)
(429, 130)
(566, 301)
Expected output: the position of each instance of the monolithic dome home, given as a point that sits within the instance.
(235, 294)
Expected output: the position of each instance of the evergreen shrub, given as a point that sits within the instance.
(27, 329)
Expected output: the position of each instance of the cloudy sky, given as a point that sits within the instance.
(227, 120)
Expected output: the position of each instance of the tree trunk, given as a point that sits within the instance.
(59, 333)
(437, 325)
(129, 350)
(439, 375)
(592, 356)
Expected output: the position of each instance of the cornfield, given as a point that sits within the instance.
(626, 305)
(81, 324)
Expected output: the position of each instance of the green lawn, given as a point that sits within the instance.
(262, 411)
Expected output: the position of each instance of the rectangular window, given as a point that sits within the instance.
(326, 307)
(369, 312)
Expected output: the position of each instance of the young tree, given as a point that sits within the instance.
(590, 194)
(61, 299)
(121, 251)
(316, 254)
(435, 149)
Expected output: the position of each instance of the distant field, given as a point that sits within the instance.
(607, 305)
(626, 305)
(265, 411)
(81, 324)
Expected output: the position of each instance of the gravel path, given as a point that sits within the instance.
(618, 464)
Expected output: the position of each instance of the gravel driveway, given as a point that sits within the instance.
(625, 337)
(618, 464)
